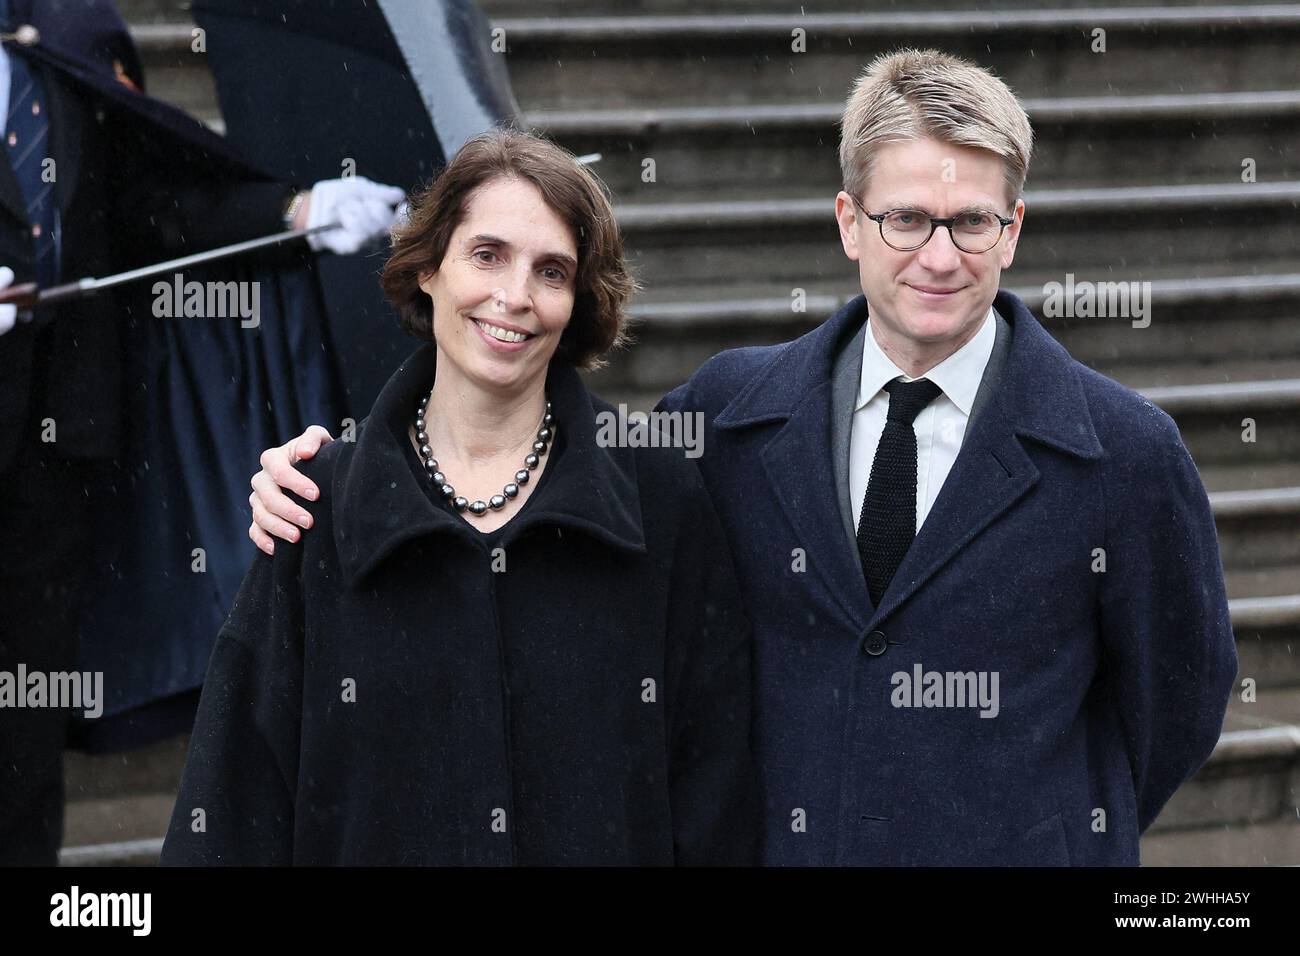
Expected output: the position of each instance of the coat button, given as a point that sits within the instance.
(875, 643)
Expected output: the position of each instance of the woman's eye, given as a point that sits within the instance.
(553, 274)
(485, 255)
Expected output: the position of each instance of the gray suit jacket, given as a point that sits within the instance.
(846, 377)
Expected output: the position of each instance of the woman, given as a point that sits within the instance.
(502, 643)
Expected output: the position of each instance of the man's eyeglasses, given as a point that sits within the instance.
(906, 230)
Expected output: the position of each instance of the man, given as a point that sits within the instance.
(990, 619)
(97, 177)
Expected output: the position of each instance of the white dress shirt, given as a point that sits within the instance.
(940, 427)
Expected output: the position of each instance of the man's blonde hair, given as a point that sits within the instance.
(915, 94)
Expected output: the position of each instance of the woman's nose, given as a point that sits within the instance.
(514, 294)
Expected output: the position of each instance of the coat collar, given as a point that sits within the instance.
(378, 503)
(1039, 397)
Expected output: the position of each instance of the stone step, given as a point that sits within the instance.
(1267, 629)
(656, 61)
(1243, 807)
(775, 151)
(1258, 528)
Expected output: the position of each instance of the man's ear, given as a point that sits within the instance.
(1012, 236)
(846, 214)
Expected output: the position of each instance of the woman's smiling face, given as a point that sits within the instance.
(504, 292)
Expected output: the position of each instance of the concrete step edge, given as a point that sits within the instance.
(649, 28)
(1237, 747)
(125, 853)
(1255, 502)
(1282, 610)
(1153, 107)
(1225, 396)
(1105, 200)
(166, 37)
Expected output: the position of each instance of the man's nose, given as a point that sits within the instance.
(939, 254)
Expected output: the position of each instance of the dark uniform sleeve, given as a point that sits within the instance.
(1166, 631)
(237, 794)
(712, 780)
(181, 201)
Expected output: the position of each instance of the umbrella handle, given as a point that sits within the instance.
(24, 295)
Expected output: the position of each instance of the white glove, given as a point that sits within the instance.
(8, 313)
(362, 208)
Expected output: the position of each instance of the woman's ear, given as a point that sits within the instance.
(426, 281)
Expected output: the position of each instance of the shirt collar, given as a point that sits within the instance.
(958, 375)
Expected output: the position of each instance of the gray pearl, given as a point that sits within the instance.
(496, 502)
(539, 446)
(448, 491)
(544, 434)
(511, 490)
(420, 436)
(425, 451)
(419, 423)
(531, 460)
(424, 401)
(439, 478)
(459, 503)
(521, 476)
(548, 419)
(477, 507)
(430, 464)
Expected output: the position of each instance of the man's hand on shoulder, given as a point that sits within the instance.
(273, 512)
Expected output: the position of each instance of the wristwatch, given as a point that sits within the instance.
(291, 208)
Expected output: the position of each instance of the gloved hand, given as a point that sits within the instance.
(363, 209)
(8, 313)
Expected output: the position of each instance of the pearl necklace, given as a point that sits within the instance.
(478, 508)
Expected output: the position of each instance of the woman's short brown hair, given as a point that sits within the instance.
(603, 283)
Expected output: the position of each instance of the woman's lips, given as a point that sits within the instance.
(499, 344)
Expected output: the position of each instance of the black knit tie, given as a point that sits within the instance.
(888, 522)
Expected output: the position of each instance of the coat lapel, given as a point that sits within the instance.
(796, 389)
(798, 466)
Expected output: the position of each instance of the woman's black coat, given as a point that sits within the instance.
(381, 695)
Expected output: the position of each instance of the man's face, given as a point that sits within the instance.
(929, 302)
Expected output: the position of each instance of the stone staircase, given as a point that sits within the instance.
(1137, 176)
